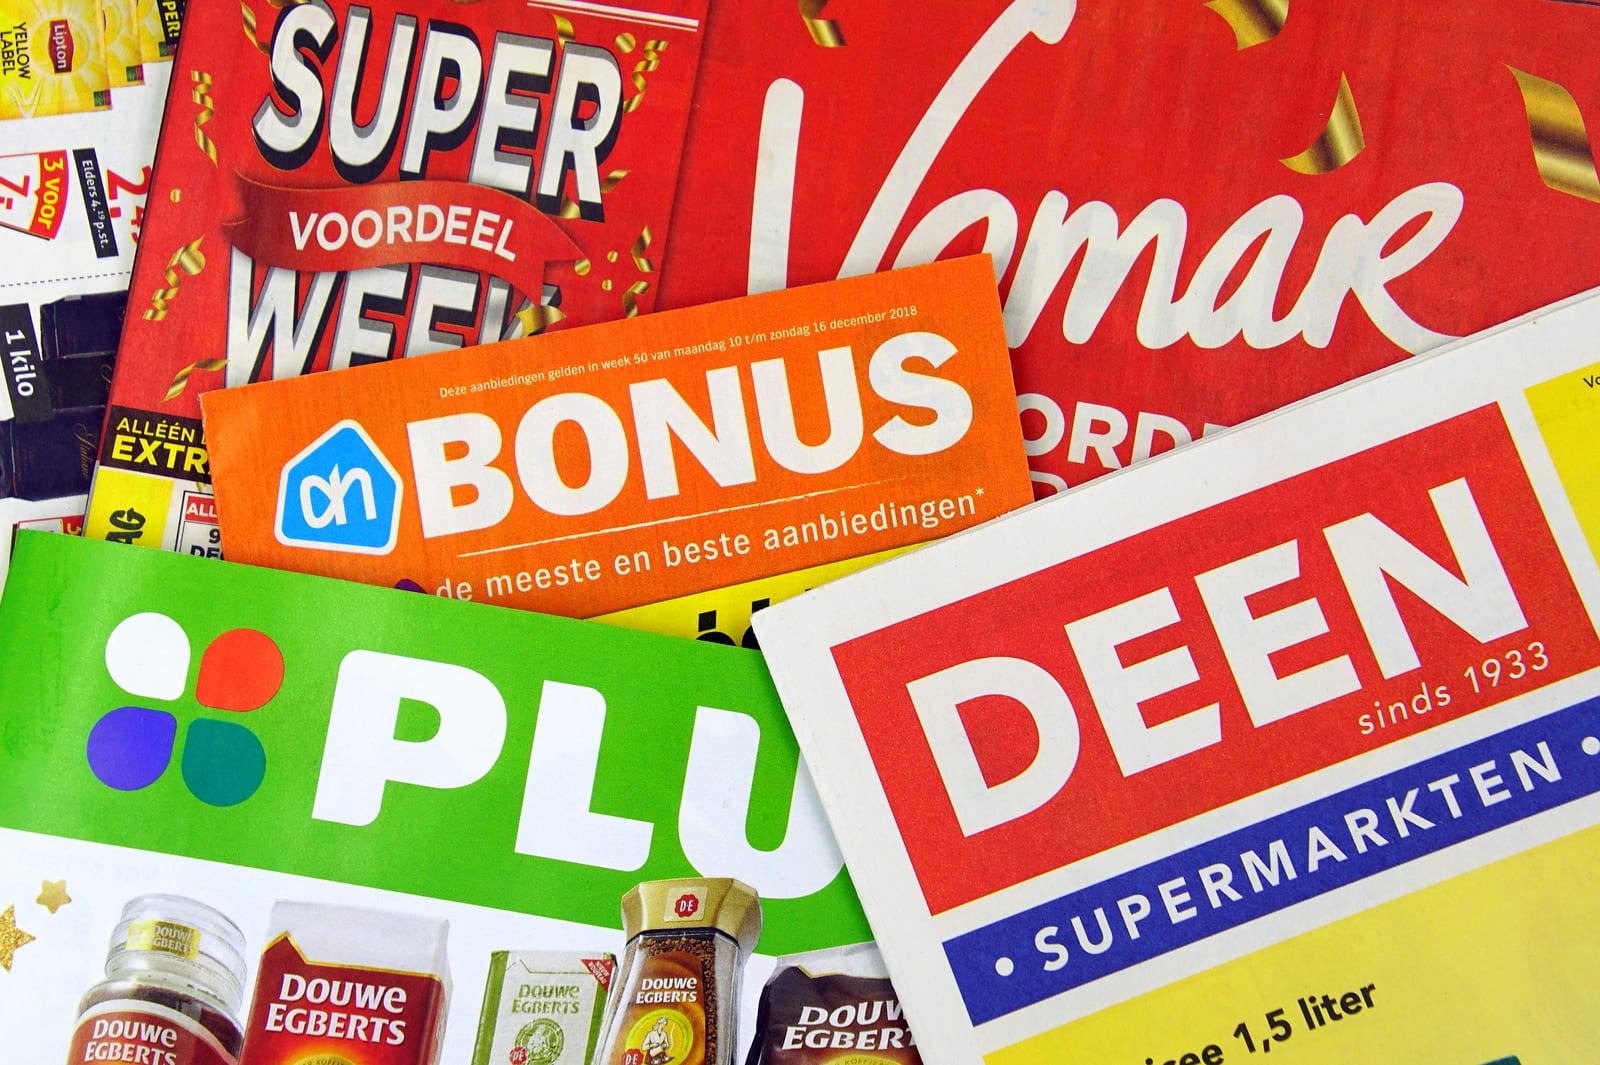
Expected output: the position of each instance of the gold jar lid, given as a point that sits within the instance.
(718, 902)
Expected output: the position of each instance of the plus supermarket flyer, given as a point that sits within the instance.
(451, 779)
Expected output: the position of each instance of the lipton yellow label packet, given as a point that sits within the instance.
(124, 44)
(157, 24)
(52, 58)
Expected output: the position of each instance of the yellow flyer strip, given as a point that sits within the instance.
(129, 507)
(1568, 412)
(723, 615)
(642, 460)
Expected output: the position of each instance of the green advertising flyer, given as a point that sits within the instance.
(246, 737)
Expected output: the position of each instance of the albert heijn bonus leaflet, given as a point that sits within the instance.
(646, 462)
(1285, 744)
(1215, 209)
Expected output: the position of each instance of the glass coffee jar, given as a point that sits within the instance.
(173, 987)
(676, 997)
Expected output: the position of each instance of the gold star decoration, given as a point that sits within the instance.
(53, 894)
(11, 937)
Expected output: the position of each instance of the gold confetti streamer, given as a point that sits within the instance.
(250, 30)
(630, 298)
(250, 21)
(188, 259)
(626, 42)
(563, 30)
(1339, 142)
(1252, 21)
(651, 60)
(201, 94)
(1561, 148)
(569, 210)
(582, 267)
(824, 31)
(638, 250)
(181, 381)
(537, 319)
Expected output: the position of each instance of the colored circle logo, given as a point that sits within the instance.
(148, 656)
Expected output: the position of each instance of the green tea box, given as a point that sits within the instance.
(542, 1007)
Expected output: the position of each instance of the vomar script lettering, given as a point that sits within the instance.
(1353, 260)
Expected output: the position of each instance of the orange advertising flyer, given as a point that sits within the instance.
(592, 470)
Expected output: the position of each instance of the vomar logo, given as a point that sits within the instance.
(339, 494)
(148, 656)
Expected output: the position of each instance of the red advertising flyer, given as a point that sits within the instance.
(1259, 745)
(1198, 211)
(627, 463)
(343, 184)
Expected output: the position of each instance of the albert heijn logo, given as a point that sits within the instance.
(339, 494)
(148, 656)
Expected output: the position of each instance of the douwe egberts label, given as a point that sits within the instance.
(642, 460)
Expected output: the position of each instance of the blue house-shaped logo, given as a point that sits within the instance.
(340, 494)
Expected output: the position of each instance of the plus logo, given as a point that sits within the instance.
(339, 494)
(148, 656)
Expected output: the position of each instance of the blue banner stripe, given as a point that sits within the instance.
(1266, 867)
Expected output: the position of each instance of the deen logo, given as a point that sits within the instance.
(339, 494)
(148, 657)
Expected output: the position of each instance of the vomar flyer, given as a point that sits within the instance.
(268, 743)
(1198, 211)
(622, 464)
(338, 184)
(1287, 744)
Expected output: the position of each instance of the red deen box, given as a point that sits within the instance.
(1198, 211)
(1238, 647)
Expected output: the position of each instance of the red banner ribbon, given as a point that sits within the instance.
(450, 223)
